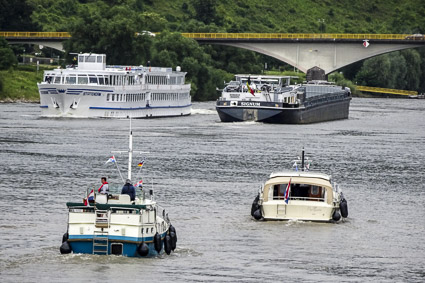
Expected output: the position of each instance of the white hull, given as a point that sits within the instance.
(91, 101)
(299, 210)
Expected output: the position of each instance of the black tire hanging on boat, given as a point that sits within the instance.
(65, 237)
(65, 248)
(167, 244)
(157, 242)
(336, 216)
(255, 205)
(257, 214)
(172, 229)
(343, 207)
(143, 249)
(173, 237)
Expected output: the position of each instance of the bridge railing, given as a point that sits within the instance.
(31, 34)
(300, 36)
(386, 90)
(25, 34)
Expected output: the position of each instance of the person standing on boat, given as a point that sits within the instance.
(104, 189)
(129, 190)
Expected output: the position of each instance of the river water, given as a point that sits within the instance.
(208, 174)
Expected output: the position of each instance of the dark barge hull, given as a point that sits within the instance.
(279, 114)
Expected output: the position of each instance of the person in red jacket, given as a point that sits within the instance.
(104, 189)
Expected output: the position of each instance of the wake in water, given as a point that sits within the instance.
(203, 112)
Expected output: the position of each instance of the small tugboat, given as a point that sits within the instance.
(300, 195)
(106, 224)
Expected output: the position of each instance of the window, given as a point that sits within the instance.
(71, 80)
(57, 80)
(99, 59)
(108, 96)
(101, 81)
(90, 59)
(82, 79)
(92, 80)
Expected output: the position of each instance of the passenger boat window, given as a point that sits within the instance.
(92, 80)
(71, 80)
(57, 80)
(101, 80)
(99, 59)
(108, 96)
(82, 79)
(80, 59)
(90, 59)
(113, 97)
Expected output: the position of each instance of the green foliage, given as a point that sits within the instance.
(339, 79)
(7, 58)
(399, 70)
(21, 84)
(113, 30)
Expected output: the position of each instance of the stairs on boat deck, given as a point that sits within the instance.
(100, 243)
(100, 238)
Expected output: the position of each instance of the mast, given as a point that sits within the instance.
(130, 151)
(302, 160)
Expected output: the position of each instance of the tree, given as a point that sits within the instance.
(7, 57)
(113, 30)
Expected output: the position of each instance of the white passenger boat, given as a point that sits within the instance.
(114, 224)
(93, 89)
(300, 195)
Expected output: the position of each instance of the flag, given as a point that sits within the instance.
(141, 163)
(90, 196)
(112, 160)
(288, 187)
(248, 84)
(139, 184)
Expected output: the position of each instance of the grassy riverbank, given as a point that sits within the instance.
(20, 83)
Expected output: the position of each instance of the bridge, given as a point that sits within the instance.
(328, 51)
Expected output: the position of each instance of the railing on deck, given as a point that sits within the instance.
(299, 198)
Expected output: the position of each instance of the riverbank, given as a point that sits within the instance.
(19, 84)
